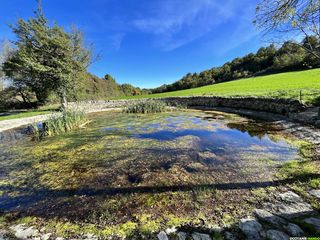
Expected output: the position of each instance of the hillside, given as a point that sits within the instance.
(267, 60)
(284, 85)
(91, 87)
(87, 87)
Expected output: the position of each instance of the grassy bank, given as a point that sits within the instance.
(60, 123)
(15, 114)
(283, 85)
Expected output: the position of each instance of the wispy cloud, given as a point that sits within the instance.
(110, 30)
(116, 40)
(175, 23)
(172, 24)
(243, 30)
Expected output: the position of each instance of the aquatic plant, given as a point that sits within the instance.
(165, 183)
(59, 123)
(145, 107)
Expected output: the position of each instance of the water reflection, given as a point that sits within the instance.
(222, 138)
(119, 154)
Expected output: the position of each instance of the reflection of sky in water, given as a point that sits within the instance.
(211, 134)
(230, 141)
(215, 137)
(187, 140)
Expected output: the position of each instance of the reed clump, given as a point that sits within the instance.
(146, 107)
(59, 123)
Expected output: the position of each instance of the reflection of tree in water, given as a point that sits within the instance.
(254, 129)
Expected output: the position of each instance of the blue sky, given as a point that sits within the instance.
(151, 42)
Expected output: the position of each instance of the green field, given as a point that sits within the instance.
(14, 114)
(282, 85)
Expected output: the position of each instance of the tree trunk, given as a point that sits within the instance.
(63, 100)
(23, 96)
(42, 95)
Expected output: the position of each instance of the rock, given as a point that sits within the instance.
(163, 236)
(294, 230)
(252, 229)
(182, 235)
(171, 230)
(314, 222)
(215, 228)
(268, 217)
(315, 193)
(200, 236)
(317, 124)
(276, 235)
(46, 236)
(89, 236)
(290, 205)
(4, 235)
(23, 232)
(229, 236)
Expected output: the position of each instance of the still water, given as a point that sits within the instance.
(121, 161)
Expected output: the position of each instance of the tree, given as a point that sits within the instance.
(5, 52)
(291, 18)
(290, 57)
(130, 90)
(47, 58)
(109, 78)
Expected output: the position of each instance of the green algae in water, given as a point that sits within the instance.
(133, 172)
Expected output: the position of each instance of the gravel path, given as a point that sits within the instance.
(14, 123)
(19, 122)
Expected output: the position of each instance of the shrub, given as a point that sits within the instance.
(59, 123)
(148, 106)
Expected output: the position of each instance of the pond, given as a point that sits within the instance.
(126, 172)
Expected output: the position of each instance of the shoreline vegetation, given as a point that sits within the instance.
(58, 123)
(151, 106)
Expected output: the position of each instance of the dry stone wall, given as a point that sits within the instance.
(279, 106)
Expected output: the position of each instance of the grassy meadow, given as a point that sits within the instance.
(282, 85)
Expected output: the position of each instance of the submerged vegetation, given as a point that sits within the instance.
(127, 173)
(59, 123)
(145, 107)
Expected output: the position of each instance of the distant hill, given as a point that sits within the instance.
(91, 87)
(267, 60)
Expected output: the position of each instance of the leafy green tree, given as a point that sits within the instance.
(47, 58)
(5, 51)
(109, 78)
(290, 57)
(130, 90)
(287, 18)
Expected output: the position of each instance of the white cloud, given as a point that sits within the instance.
(175, 23)
(116, 40)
